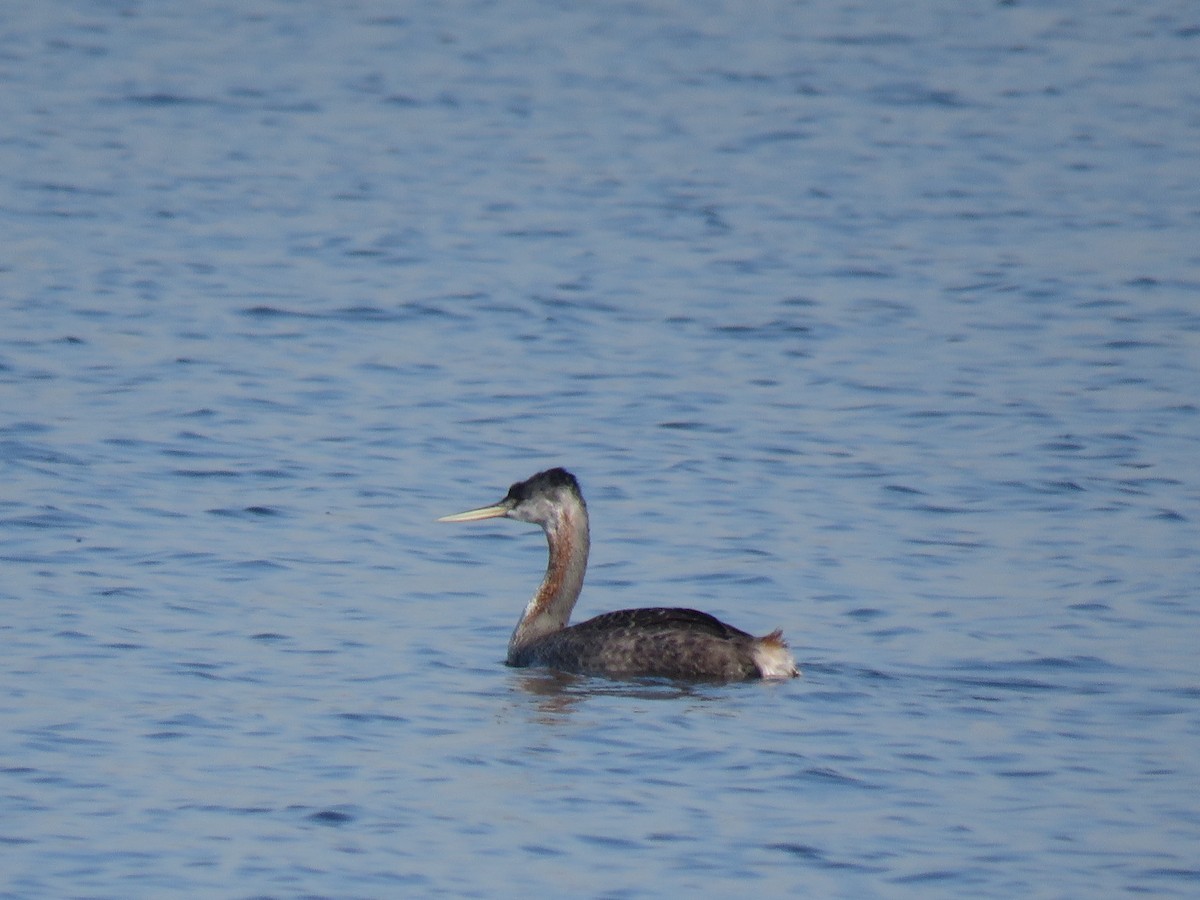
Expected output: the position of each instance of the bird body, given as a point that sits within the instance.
(651, 642)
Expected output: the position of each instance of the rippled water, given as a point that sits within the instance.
(877, 326)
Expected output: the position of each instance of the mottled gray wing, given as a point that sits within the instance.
(661, 617)
(673, 643)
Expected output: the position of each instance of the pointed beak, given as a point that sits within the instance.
(474, 515)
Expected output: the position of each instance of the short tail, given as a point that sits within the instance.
(772, 657)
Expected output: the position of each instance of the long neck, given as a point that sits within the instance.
(550, 608)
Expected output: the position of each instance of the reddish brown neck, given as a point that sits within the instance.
(550, 609)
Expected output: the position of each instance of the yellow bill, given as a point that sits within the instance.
(474, 515)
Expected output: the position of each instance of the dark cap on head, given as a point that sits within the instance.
(542, 483)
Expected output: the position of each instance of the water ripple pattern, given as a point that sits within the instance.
(876, 325)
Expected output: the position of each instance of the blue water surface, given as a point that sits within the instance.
(876, 323)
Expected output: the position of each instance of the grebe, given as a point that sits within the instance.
(656, 642)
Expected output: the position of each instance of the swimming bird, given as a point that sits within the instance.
(653, 642)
